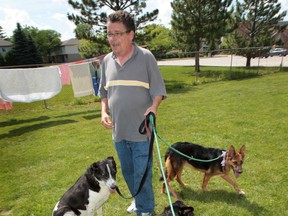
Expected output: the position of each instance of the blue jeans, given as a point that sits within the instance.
(133, 158)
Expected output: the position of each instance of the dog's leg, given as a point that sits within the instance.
(169, 172)
(174, 194)
(179, 175)
(163, 188)
(99, 211)
(170, 175)
(206, 178)
(168, 179)
(233, 183)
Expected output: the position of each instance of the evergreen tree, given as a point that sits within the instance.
(20, 49)
(258, 21)
(93, 13)
(34, 51)
(2, 60)
(2, 37)
(2, 34)
(24, 50)
(199, 21)
(9, 58)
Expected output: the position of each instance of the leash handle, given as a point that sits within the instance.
(144, 128)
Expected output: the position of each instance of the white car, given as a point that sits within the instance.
(278, 52)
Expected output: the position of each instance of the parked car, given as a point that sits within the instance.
(278, 52)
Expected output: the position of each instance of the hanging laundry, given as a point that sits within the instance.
(65, 75)
(5, 105)
(81, 79)
(29, 85)
(95, 73)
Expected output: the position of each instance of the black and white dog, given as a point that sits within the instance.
(90, 191)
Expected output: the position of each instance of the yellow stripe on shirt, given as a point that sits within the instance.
(126, 83)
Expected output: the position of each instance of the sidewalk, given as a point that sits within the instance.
(236, 61)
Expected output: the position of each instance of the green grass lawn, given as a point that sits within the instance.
(44, 151)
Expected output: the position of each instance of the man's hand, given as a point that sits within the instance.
(106, 121)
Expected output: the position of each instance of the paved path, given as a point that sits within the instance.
(227, 60)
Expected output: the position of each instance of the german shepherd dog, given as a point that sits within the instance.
(228, 160)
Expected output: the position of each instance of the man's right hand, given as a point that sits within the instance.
(106, 121)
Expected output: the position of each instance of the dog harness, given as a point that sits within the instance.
(223, 162)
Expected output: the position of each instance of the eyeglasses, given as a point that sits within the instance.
(116, 34)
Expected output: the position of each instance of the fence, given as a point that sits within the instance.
(261, 62)
(260, 57)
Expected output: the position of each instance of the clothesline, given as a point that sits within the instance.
(28, 85)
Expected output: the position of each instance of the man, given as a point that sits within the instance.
(131, 87)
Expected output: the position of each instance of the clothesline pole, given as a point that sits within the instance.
(45, 104)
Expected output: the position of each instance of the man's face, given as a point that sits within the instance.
(119, 38)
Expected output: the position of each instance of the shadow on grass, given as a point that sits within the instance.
(75, 113)
(16, 122)
(44, 118)
(176, 86)
(231, 198)
(22, 130)
(91, 117)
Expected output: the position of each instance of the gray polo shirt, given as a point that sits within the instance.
(130, 90)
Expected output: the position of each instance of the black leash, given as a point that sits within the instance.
(145, 129)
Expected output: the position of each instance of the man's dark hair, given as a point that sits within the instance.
(123, 17)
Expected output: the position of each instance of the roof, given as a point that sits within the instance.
(70, 42)
(4, 43)
(281, 23)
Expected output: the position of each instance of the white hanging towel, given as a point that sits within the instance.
(28, 85)
(81, 79)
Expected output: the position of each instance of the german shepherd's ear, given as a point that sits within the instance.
(231, 152)
(242, 150)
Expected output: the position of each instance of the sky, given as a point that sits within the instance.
(52, 14)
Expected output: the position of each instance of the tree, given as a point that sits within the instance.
(2, 34)
(3, 37)
(34, 51)
(199, 21)
(258, 21)
(46, 41)
(24, 50)
(2, 60)
(19, 49)
(84, 31)
(88, 49)
(157, 39)
(93, 13)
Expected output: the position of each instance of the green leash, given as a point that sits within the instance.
(184, 155)
(161, 165)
